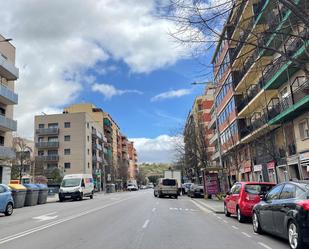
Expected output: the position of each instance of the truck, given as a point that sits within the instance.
(174, 174)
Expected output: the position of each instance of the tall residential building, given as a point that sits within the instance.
(8, 98)
(69, 143)
(262, 101)
(133, 166)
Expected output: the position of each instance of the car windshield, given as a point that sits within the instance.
(257, 189)
(73, 182)
(169, 182)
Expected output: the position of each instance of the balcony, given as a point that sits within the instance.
(215, 156)
(6, 153)
(214, 138)
(42, 145)
(7, 96)
(47, 131)
(97, 159)
(7, 69)
(292, 105)
(48, 158)
(7, 124)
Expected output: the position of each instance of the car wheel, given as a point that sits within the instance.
(295, 237)
(227, 213)
(256, 224)
(9, 209)
(176, 196)
(81, 197)
(61, 199)
(240, 217)
(154, 194)
(91, 196)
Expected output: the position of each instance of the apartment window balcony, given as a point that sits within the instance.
(6, 153)
(48, 158)
(7, 124)
(215, 156)
(41, 145)
(214, 138)
(7, 69)
(47, 131)
(7, 96)
(292, 105)
(97, 159)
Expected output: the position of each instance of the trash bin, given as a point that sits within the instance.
(43, 192)
(110, 188)
(32, 195)
(18, 194)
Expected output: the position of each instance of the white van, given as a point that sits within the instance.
(76, 186)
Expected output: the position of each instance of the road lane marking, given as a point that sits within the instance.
(225, 221)
(153, 210)
(247, 235)
(51, 224)
(200, 207)
(45, 217)
(264, 245)
(219, 218)
(235, 227)
(146, 224)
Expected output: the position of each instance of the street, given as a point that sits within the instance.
(130, 220)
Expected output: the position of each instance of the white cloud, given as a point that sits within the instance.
(156, 150)
(58, 41)
(109, 91)
(171, 94)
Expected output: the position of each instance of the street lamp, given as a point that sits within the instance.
(6, 40)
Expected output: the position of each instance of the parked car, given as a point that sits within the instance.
(132, 187)
(284, 212)
(6, 200)
(166, 187)
(196, 191)
(242, 197)
(186, 187)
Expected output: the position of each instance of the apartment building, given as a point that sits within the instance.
(69, 143)
(8, 98)
(133, 166)
(264, 131)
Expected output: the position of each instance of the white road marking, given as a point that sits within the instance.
(146, 224)
(219, 218)
(247, 235)
(200, 207)
(46, 217)
(51, 224)
(235, 227)
(153, 210)
(264, 245)
(173, 208)
(225, 221)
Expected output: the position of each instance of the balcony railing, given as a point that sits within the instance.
(7, 124)
(47, 144)
(250, 94)
(7, 153)
(48, 158)
(7, 69)
(47, 131)
(8, 96)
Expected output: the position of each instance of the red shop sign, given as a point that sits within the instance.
(271, 165)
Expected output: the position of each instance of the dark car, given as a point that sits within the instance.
(242, 197)
(196, 191)
(284, 212)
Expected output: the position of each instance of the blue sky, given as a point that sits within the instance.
(122, 61)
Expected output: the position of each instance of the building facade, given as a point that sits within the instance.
(8, 98)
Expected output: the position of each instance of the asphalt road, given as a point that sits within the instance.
(134, 220)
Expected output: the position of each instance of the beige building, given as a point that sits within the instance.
(8, 98)
(70, 143)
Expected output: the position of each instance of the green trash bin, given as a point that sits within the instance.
(32, 195)
(43, 192)
(18, 194)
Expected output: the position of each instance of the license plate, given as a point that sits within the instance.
(67, 196)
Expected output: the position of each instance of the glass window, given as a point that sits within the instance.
(67, 124)
(301, 194)
(303, 129)
(257, 189)
(52, 139)
(53, 125)
(41, 126)
(41, 152)
(67, 151)
(288, 191)
(52, 152)
(67, 138)
(2, 189)
(236, 189)
(274, 193)
(67, 165)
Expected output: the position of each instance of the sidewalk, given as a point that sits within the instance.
(214, 205)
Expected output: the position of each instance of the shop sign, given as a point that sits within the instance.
(271, 165)
(304, 156)
(257, 167)
(212, 183)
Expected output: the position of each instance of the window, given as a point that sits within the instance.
(88, 125)
(53, 125)
(303, 129)
(41, 126)
(41, 152)
(52, 166)
(88, 151)
(52, 139)
(67, 165)
(2, 189)
(236, 189)
(88, 165)
(52, 152)
(301, 194)
(275, 193)
(40, 139)
(67, 151)
(88, 138)
(67, 138)
(67, 124)
(288, 191)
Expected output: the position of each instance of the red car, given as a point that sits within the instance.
(242, 197)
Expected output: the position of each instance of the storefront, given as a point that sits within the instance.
(271, 171)
(282, 173)
(293, 168)
(245, 171)
(257, 173)
(304, 165)
(5, 174)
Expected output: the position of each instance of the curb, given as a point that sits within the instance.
(213, 209)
